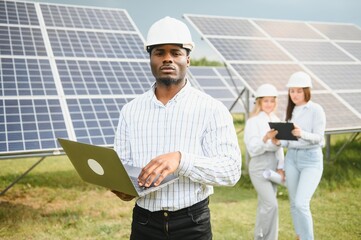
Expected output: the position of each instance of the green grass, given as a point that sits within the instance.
(52, 202)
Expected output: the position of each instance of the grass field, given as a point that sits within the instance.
(52, 202)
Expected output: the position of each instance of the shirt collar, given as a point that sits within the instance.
(181, 94)
(306, 105)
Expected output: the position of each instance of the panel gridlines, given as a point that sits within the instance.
(87, 18)
(26, 77)
(71, 43)
(218, 83)
(296, 30)
(226, 27)
(91, 48)
(30, 124)
(18, 13)
(239, 49)
(352, 48)
(23, 41)
(103, 77)
(95, 120)
(309, 47)
(258, 74)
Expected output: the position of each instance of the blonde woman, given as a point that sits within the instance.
(264, 155)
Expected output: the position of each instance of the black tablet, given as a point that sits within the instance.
(284, 130)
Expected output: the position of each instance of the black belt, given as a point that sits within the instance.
(183, 211)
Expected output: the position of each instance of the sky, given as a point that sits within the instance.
(146, 12)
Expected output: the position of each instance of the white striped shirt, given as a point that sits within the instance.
(195, 124)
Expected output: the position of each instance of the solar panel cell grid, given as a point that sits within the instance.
(339, 31)
(281, 29)
(69, 43)
(216, 81)
(94, 120)
(354, 99)
(88, 18)
(333, 109)
(21, 41)
(352, 48)
(278, 74)
(315, 51)
(30, 124)
(250, 50)
(104, 77)
(26, 77)
(18, 13)
(226, 27)
(339, 77)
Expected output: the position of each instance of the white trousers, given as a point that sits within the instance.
(266, 227)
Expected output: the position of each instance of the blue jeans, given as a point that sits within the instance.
(303, 168)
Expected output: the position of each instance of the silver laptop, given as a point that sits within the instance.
(102, 166)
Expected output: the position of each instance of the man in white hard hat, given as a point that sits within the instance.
(176, 129)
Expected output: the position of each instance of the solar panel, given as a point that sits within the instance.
(258, 74)
(354, 99)
(269, 51)
(86, 18)
(23, 41)
(315, 51)
(239, 49)
(22, 13)
(30, 124)
(339, 31)
(354, 48)
(282, 29)
(66, 71)
(339, 77)
(219, 83)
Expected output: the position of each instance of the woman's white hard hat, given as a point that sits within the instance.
(169, 31)
(266, 90)
(299, 80)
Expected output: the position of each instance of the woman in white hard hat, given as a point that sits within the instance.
(175, 129)
(304, 159)
(265, 155)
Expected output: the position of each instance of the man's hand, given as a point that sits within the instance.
(123, 196)
(158, 168)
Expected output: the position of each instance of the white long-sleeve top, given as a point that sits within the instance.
(255, 129)
(311, 119)
(195, 124)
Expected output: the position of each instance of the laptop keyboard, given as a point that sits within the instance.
(136, 184)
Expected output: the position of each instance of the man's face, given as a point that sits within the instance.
(169, 64)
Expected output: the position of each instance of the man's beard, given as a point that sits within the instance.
(169, 81)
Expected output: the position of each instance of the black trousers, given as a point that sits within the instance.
(191, 223)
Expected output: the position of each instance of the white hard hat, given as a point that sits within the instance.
(266, 90)
(169, 31)
(299, 80)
